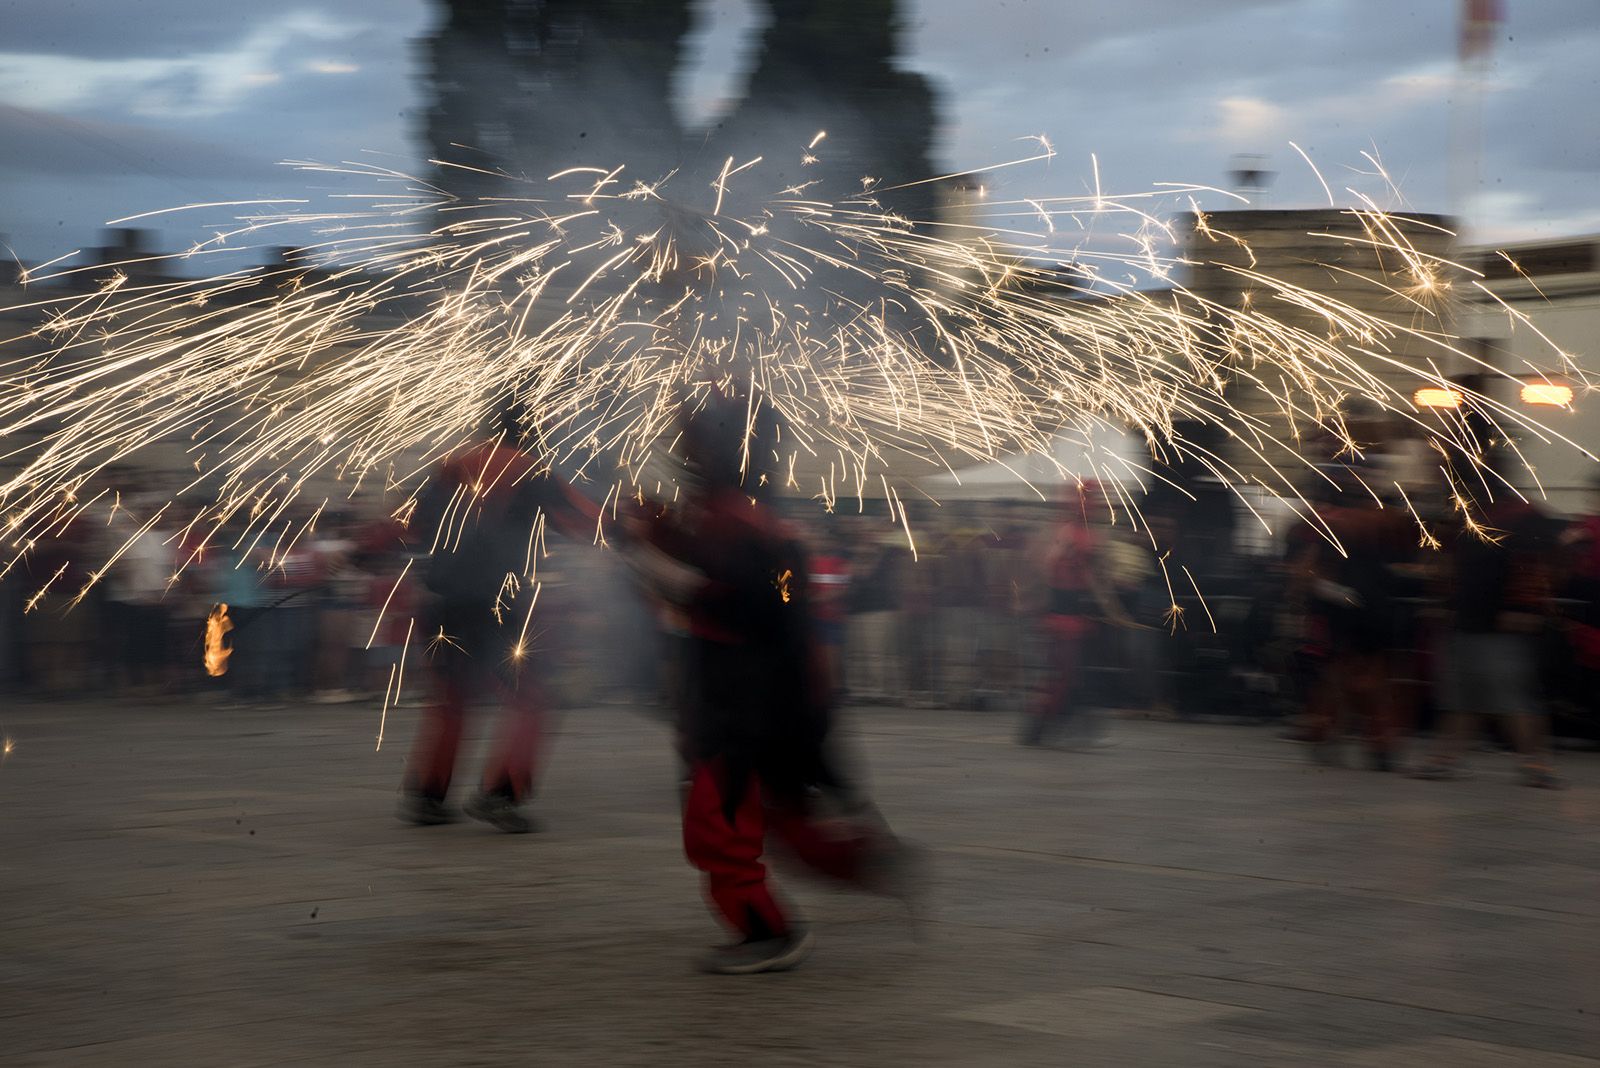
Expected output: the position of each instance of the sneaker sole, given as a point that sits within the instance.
(515, 824)
(789, 958)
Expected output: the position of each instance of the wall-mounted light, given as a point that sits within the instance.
(1436, 397)
(1549, 394)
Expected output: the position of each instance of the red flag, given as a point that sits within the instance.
(1479, 20)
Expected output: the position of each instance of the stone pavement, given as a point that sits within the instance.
(190, 885)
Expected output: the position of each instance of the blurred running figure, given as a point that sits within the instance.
(1349, 591)
(1080, 594)
(479, 515)
(756, 730)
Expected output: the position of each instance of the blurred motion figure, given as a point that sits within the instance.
(757, 727)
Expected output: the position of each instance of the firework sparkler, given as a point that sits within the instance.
(601, 302)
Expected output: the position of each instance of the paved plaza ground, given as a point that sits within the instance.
(191, 885)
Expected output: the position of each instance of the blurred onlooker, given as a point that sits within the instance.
(1499, 600)
(918, 632)
(830, 600)
(1131, 562)
(1002, 637)
(877, 576)
(188, 597)
(58, 637)
(136, 587)
(238, 583)
(959, 596)
(289, 626)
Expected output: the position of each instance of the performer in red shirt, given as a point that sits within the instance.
(1080, 596)
(757, 731)
(478, 516)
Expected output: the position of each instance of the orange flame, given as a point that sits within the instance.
(217, 624)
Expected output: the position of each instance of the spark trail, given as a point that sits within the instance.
(602, 302)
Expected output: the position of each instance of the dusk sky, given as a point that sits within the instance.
(108, 108)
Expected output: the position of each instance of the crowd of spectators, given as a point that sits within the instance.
(1367, 632)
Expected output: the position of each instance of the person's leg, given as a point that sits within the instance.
(509, 772)
(433, 754)
(1051, 705)
(1530, 737)
(1459, 687)
(724, 827)
(1370, 692)
(1324, 710)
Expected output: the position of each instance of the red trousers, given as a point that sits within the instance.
(511, 762)
(1064, 638)
(727, 842)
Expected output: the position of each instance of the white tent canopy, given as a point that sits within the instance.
(1104, 454)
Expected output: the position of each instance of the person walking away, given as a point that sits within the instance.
(478, 514)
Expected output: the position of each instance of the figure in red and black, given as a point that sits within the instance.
(479, 515)
(1080, 596)
(756, 731)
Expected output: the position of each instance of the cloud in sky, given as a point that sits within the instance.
(113, 108)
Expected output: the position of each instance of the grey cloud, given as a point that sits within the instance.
(1136, 82)
(44, 142)
(158, 29)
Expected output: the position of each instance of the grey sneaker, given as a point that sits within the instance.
(766, 955)
(498, 810)
(423, 811)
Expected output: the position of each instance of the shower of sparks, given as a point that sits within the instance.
(397, 681)
(603, 301)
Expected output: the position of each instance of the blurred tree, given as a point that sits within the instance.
(831, 65)
(533, 86)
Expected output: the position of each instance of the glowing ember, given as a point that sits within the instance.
(217, 625)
